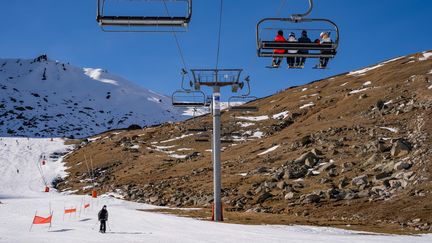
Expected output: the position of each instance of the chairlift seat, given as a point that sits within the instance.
(143, 21)
(314, 50)
(188, 98)
(243, 108)
(188, 104)
(297, 46)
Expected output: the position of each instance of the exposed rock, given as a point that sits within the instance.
(395, 183)
(402, 165)
(327, 166)
(269, 184)
(347, 166)
(311, 198)
(400, 148)
(263, 197)
(317, 152)
(363, 193)
(360, 180)
(309, 158)
(290, 196)
(383, 175)
(154, 199)
(281, 185)
(262, 170)
(335, 193)
(333, 172)
(372, 160)
(343, 183)
(295, 171)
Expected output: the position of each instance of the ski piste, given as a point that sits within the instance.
(21, 194)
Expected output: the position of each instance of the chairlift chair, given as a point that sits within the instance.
(244, 101)
(111, 16)
(202, 138)
(188, 98)
(265, 47)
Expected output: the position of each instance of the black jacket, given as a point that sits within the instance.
(304, 39)
(103, 215)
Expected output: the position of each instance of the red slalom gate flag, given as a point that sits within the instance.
(71, 210)
(86, 205)
(42, 220)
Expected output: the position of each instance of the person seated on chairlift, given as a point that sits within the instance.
(277, 60)
(292, 61)
(325, 38)
(303, 39)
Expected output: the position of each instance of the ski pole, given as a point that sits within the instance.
(108, 225)
(95, 225)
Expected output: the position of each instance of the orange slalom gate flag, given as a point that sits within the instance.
(86, 205)
(42, 220)
(71, 210)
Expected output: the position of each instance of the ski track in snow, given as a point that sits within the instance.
(21, 196)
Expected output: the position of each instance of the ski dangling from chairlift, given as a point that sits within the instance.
(144, 15)
(297, 51)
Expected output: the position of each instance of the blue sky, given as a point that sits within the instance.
(371, 31)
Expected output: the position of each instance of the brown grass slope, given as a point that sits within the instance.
(365, 141)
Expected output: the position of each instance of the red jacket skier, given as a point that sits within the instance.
(280, 38)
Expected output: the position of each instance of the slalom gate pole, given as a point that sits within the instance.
(52, 212)
(80, 208)
(31, 226)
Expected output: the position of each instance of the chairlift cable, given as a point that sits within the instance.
(279, 10)
(219, 33)
(180, 51)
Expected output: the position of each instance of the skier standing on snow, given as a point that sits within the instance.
(103, 217)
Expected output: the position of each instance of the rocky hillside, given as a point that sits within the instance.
(41, 98)
(352, 150)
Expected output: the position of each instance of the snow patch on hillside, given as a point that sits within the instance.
(392, 60)
(269, 150)
(358, 91)
(253, 118)
(426, 56)
(364, 71)
(307, 105)
(281, 115)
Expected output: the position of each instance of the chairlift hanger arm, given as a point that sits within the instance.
(302, 15)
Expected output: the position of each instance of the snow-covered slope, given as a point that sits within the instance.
(41, 97)
(125, 224)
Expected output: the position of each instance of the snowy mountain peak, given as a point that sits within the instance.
(41, 97)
